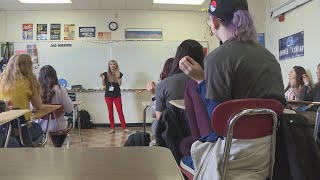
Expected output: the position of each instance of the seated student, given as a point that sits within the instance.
(53, 93)
(173, 87)
(13, 142)
(230, 72)
(314, 94)
(298, 80)
(151, 88)
(173, 125)
(18, 83)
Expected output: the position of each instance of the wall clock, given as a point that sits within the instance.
(113, 26)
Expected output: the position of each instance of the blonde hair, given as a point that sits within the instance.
(113, 76)
(18, 68)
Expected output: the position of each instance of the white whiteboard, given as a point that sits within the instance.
(139, 61)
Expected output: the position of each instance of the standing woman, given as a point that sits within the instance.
(113, 80)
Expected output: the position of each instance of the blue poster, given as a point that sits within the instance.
(87, 31)
(291, 46)
(261, 39)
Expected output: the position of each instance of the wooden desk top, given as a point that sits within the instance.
(134, 163)
(178, 103)
(76, 103)
(302, 102)
(145, 103)
(299, 102)
(11, 115)
(44, 110)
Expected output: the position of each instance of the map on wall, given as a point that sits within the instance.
(291, 46)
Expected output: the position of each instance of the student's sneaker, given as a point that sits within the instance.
(187, 164)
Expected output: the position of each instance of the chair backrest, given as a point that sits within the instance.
(249, 127)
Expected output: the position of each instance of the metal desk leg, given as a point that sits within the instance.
(315, 132)
(8, 134)
(79, 124)
(43, 143)
(144, 118)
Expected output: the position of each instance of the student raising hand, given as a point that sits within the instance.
(191, 68)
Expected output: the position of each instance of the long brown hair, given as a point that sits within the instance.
(18, 68)
(48, 79)
(299, 79)
(113, 76)
(166, 68)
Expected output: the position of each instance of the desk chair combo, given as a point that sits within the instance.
(46, 112)
(234, 119)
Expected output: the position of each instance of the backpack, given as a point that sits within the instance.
(138, 139)
(85, 120)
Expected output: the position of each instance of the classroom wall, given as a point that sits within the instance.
(304, 18)
(176, 26)
(2, 25)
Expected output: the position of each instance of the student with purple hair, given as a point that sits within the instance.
(240, 68)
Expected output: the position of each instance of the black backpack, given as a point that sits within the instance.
(138, 139)
(85, 120)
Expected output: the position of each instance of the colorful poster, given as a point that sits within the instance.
(69, 31)
(27, 31)
(23, 51)
(261, 39)
(42, 32)
(104, 35)
(55, 31)
(87, 31)
(33, 52)
(291, 46)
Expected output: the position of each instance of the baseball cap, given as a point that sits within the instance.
(224, 9)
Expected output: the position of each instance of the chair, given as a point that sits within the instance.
(56, 114)
(23, 130)
(235, 119)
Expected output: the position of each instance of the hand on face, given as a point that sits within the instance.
(191, 68)
(306, 79)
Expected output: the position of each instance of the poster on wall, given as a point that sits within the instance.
(87, 31)
(55, 31)
(42, 32)
(27, 31)
(291, 46)
(143, 34)
(261, 39)
(69, 31)
(104, 35)
(33, 52)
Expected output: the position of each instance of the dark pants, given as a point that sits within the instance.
(58, 139)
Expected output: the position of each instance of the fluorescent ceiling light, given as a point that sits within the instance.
(186, 2)
(46, 1)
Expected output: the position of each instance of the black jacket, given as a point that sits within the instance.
(297, 154)
(171, 129)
